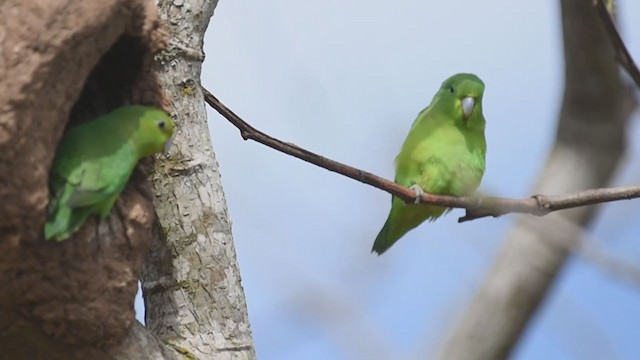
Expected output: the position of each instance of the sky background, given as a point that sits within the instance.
(346, 79)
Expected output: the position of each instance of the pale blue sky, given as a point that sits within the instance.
(346, 79)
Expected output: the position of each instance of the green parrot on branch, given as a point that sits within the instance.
(94, 161)
(444, 153)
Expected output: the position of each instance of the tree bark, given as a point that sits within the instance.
(589, 144)
(191, 284)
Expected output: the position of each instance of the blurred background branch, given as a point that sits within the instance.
(590, 142)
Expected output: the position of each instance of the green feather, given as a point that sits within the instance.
(444, 153)
(94, 161)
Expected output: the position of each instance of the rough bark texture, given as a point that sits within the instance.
(191, 283)
(65, 62)
(590, 142)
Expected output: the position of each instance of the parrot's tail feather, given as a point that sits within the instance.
(54, 230)
(385, 238)
(400, 221)
(63, 225)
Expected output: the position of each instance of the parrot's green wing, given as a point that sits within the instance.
(444, 153)
(425, 174)
(87, 182)
(83, 197)
(94, 161)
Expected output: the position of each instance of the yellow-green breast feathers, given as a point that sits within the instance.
(444, 153)
(94, 161)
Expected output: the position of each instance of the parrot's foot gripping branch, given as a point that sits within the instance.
(419, 193)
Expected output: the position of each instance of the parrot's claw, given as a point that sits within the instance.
(419, 192)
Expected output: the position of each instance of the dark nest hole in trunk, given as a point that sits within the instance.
(110, 84)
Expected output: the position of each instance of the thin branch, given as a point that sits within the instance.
(476, 207)
(622, 54)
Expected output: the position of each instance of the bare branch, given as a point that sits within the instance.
(477, 206)
(543, 204)
(622, 54)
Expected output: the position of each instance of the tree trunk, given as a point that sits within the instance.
(191, 282)
(66, 62)
(589, 144)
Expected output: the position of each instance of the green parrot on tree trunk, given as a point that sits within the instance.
(94, 161)
(444, 153)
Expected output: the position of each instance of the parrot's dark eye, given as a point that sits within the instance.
(161, 124)
(451, 89)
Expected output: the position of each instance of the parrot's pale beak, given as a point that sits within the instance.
(468, 104)
(167, 145)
